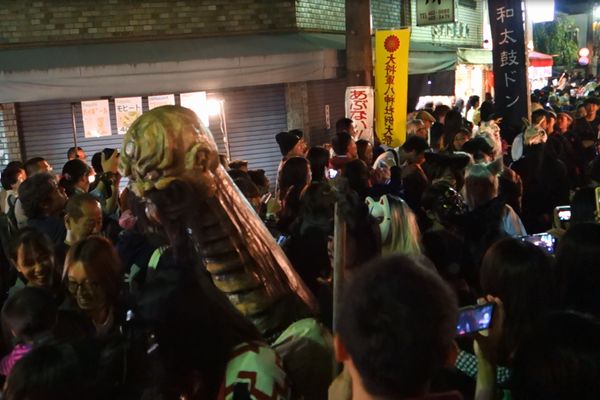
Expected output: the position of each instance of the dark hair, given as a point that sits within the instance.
(521, 275)
(15, 164)
(10, 176)
(361, 148)
(97, 159)
(578, 264)
(473, 100)
(97, 163)
(29, 312)
(293, 176)
(54, 372)
(452, 124)
(397, 322)
(340, 142)
(100, 261)
(73, 171)
(259, 178)
(478, 147)
(560, 360)
(416, 143)
(72, 152)
(343, 125)
(440, 111)
(244, 183)
(292, 182)
(32, 166)
(538, 115)
(317, 202)
(34, 193)
(33, 241)
(583, 206)
(319, 160)
(486, 111)
(75, 204)
(445, 201)
(357, 173)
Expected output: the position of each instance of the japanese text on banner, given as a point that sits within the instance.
(359, 108)
(509, 58)
(391, 85)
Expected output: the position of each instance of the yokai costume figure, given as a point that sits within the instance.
(169, 151)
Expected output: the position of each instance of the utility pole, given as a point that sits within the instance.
(359, 53)
(589, 42)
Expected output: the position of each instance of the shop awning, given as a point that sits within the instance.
(474, 56)
(537, 59)
(484, 56)
(426, 58)
(166, 66)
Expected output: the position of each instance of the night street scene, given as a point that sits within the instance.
(299, 199)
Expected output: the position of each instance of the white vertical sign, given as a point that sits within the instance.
(96, 118)
(127, 110)
(360, 106)
(161, 100)
(196, 101)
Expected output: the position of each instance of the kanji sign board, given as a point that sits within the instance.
(433, 12)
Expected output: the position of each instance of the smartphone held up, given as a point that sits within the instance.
(474, 319)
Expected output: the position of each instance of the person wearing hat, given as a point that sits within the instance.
(559, 145)
(291, 144)
(428, 121)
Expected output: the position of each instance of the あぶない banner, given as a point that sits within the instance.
(391, 85)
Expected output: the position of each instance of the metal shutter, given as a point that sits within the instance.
(254, 116)
(47, 131)
(320, 94)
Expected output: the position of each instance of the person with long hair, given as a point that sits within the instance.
(294, 178)
(398, 225)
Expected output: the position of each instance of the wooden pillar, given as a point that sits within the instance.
(359, 54)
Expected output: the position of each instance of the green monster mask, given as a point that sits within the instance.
(167, 144)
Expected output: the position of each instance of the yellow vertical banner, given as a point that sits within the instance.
(391, 85)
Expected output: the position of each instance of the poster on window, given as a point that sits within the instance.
(196, 101)
(360, 105)
(96, 118)
(161, 100)
(127, 110)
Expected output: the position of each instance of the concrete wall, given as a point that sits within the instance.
(27, 22)
(10, 149)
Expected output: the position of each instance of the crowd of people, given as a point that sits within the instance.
(111, 293)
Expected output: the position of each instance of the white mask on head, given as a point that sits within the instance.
(380, 210)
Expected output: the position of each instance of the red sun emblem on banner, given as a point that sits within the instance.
(391, 43)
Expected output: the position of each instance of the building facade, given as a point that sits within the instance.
(277, 65)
